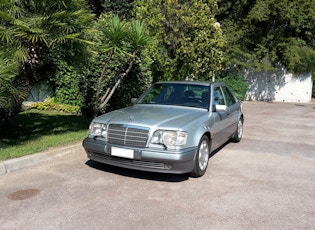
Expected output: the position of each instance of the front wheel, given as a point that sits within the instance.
(202, 157)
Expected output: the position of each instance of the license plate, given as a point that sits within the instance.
(125, 153)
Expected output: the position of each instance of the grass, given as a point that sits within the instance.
(34, 131)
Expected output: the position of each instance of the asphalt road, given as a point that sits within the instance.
(267, 181)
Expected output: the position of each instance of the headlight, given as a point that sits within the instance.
(97, 129)
(169, 137)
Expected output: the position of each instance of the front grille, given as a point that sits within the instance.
(127, 135)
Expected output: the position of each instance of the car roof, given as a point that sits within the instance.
(204, 83)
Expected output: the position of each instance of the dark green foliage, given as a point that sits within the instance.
(96, 6)
(89, 84)
(297, 56)
(236, 82)
(11, 94)
(188, 40)
(264, 33)
(138, 80)
(122, 8)
(121, 43)
(31, 32)
(68, 85)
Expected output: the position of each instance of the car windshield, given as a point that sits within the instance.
(177, 94)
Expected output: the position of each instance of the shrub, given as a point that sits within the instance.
(236, 82)
(67, 85)
(50, 105)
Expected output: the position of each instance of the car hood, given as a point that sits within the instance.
(153, 116)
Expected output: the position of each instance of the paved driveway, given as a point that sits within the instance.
(265, 182)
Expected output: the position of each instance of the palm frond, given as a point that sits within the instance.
(6, 35)
(6, 16)
(14, 53)
(63, 39)
(7, 72)
(138, 37)
(20, 54)
(116, 32)
(7, 91)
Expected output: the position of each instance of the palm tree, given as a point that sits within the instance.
(32, 25)
(114, 35)
(27, 28)
(128, 42)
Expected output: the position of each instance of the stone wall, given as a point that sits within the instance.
(279, 86)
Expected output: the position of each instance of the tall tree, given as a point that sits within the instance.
(189, 40)
(264, 33)
(123, 41)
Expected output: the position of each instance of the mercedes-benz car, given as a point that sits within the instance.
(172, 128)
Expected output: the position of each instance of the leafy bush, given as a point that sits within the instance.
(50, 105)
(236, 82)
(67, 85)
(298, 57)
(11, 94)
(137, 81)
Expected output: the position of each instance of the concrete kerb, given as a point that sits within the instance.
(30, 160)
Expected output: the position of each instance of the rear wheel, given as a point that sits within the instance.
(202, 157)
(239, 131)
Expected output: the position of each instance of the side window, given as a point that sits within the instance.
(218, 98)
(230, 100)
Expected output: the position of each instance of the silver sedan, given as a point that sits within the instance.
(172, 128)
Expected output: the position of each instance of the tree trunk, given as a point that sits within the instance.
(110, 92)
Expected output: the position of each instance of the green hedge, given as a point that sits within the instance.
(50, 105)
(236, 82)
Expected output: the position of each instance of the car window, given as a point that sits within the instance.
(230, 100)
(178, 94)
(218, 98)
(157, 94)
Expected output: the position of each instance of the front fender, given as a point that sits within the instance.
(199, 129)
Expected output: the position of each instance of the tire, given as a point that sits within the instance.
(202, 157)
(237, 137)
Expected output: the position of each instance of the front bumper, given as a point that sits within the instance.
(153, 160)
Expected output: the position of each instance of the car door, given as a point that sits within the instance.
(232, 110)
(221, 121)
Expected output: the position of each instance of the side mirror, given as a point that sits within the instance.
(220, 108)
(134, 100)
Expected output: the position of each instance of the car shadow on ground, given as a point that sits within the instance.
(166, 177)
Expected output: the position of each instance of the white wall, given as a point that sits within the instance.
(279, 86)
